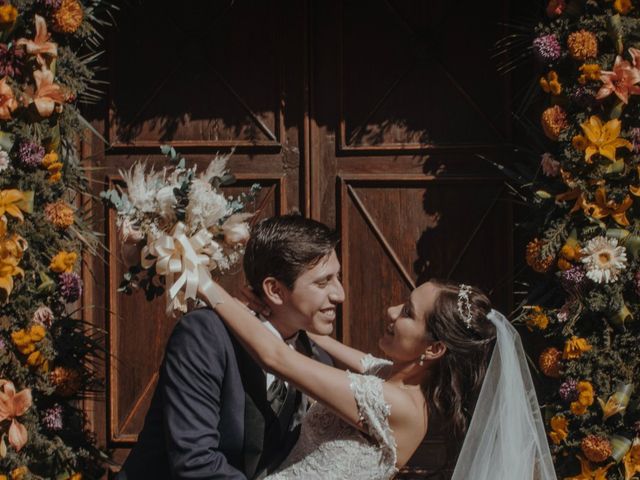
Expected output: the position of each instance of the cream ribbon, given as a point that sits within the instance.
(178, 254)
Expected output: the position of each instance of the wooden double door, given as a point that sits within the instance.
(373, 116)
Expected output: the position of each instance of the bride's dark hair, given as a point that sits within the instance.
(454, 384)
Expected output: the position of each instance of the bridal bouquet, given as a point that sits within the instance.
(180, 227)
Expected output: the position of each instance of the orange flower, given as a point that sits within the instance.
(623, 6)
(588, 473)
(550, 83)
(68, 17)
(8, 102)
(40, 45)
(63, 262)
(574, 347)
(534, 259)
(585, 399)
(13, 405)
(596, 448)
(603, 207)
(549, 362)
(60, 214)
(583, 45)
(554, 122)
(8, 15)
(559, 429)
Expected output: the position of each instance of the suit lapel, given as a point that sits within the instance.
(257, 414)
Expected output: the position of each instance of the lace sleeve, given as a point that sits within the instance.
(374, 365)
(374, 412)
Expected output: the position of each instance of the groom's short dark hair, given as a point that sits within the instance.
(284, 248)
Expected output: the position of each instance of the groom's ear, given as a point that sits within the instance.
(273, 290)
(435, 351)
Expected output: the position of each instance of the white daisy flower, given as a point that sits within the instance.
(604, 259)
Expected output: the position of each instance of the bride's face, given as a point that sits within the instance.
(405, 339)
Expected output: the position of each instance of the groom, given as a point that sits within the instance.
(215, 413)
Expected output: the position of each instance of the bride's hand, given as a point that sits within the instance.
(250, 300)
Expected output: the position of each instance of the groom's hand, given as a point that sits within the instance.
(250, 300)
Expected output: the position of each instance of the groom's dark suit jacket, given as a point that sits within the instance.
(209, 417)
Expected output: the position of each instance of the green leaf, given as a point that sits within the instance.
(614, 28)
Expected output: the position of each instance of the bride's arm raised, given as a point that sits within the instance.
(328, 385)
(343, 356)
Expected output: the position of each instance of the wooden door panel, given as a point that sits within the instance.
(200, 78)
(399, 232)
(422, 75)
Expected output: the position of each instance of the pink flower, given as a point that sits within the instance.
(550, 166)
(14, 405)
(8, 102)
(555, 8)
(40, 45)
(47, 94)
(622, 80)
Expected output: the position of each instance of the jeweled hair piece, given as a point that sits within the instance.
(464, 304)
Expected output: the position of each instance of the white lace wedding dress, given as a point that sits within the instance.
(331, 449)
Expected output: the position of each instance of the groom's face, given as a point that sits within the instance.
(311, 304)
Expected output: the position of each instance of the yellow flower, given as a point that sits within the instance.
(53, 165)
(604, 207)
(63, 262)
(559, 429)
(550, 83)
(590, 72)
(76, 476)
(19, 473)
(14, 202)
(11, 249)
(585, 398)
(623, 6)
(574, 347)
(632, 460)
(587, 473)
(37, 333)
(8, 14)
(537, 319)
(600, 138)
(60, 214)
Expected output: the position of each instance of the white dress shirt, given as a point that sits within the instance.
(289, 341)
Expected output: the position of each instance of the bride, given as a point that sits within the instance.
(448, 350)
